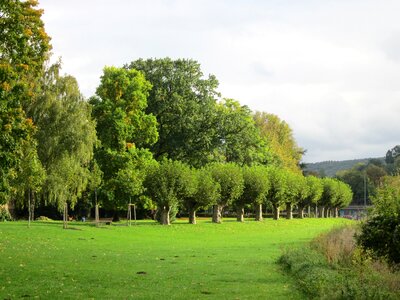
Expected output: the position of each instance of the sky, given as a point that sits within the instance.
(329, 68)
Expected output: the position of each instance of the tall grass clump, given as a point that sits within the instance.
(333, 267)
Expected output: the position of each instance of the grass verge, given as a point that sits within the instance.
(332, 267)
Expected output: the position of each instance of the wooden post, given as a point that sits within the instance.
(129, 216)
(134, 212)
(96, 209)
(29, 208)
(65, 225)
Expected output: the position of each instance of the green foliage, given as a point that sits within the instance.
(23, 50)
(278, 186)
(381, 232)
(184, 104)
(66, 136)
(124, 130)
(240, 138)
(256, 186)
(167, 184)
(229, 177)
(329, 268)
(331, 168)
(278, 136)
(315, 189)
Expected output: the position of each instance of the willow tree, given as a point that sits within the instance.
(66, 137)
(229, 177)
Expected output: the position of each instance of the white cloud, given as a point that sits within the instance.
(329, 68)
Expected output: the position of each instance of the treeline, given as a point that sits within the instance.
(157, 133)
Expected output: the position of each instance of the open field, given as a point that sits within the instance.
(205, 261)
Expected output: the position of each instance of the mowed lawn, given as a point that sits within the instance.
(148, 261)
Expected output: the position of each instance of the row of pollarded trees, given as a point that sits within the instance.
(173, 185)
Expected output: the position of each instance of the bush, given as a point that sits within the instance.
(332, 267)
(4, 214)
(381, 235)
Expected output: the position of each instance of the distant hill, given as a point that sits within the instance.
(331, 167)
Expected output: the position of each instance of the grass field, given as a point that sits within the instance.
(148, 261)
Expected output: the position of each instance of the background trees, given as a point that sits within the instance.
(183, 102)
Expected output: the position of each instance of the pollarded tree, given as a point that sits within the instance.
(166, 184)
(277, 191)
(124, 130)
(183, 101)
(230, 178)
(343, 199)
(329, 196)
(204, 194)
(296, 191)
(256, 187)
(315, 189)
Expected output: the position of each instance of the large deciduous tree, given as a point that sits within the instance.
(277, 190)
(240, 140)
(125, 131)
(183, 101)
(24, 47)
(279, 138)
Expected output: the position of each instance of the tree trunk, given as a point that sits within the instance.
(240, 214)
(336, 212)
(65, 216)
(301, 212)
(326, 214)
(165, 216)
(29, 208)
(33, 202)
(192, 216)
(289, 212)
(217, 209)
(316, 211)
(276, 212)
(309, 211)
(258, 209)
(321, 211)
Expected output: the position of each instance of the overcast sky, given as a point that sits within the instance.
(331, 69)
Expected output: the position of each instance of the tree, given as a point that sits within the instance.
(277, 192)
(125, 131)
(256, 187)
(279, 138)
(66, 137)
(343, 199)
(297, 190)
(380, 233)
(229, 177)
(24, 47)
(205, 192)
(329, 196)
(315, 189)
(166, 184)
(183, 101)
(240, 139)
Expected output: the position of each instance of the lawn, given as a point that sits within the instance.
(148, 261)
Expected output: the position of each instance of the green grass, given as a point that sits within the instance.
(205, 261)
